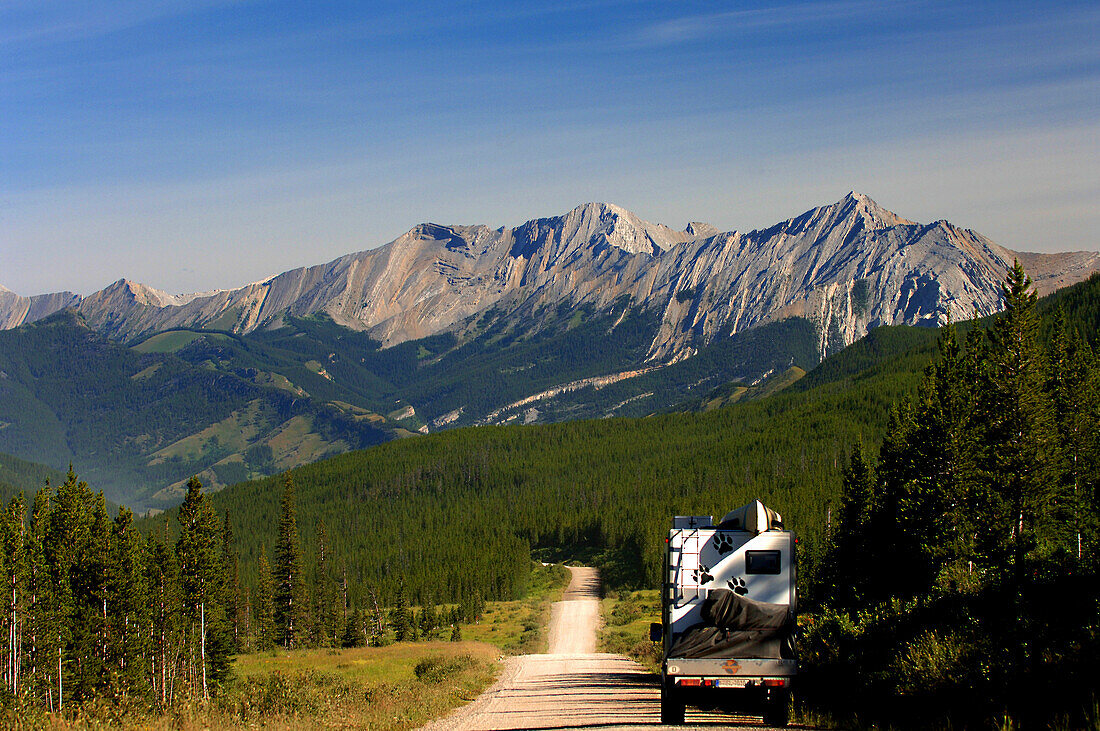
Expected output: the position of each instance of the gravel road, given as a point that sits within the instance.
(573, 686)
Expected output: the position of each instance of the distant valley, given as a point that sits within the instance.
(591, 314)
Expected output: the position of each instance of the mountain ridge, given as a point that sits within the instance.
(439, 278)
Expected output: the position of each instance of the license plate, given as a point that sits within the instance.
(733, 682)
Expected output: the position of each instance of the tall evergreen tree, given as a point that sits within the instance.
(401, 616)
(264, 605)
(290, 595)
(324, 594)
(1074, 397)
(201, 578)
(165, 627)
(1023, 465)
(129, 599)
(231, 581)
(850, 550)
(40, 632)
(68, 534)
(14, 570)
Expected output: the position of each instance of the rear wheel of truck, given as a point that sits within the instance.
(672, 705)
(777, 710)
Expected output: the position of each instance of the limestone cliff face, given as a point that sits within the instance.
(16, 310)
(848, 267)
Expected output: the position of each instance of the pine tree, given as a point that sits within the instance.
(324, 593)
(427, 618)
(353, 635)
(162, 573)
(39, 644)
(14, 570)
(67, 536)
(1023, 465)
(129, 600)
(231, 581)
(400, 615)
(201, 578)
(846, 562)
(947, 449)
(1073, 394)
(290, 601)
(264, 604)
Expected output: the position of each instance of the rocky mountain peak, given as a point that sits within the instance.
(611, 225)
(861, 205)
(700, 230)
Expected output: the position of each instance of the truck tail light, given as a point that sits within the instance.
(692, 682)
(774, 682)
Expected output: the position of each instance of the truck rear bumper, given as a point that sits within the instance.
(723, 667)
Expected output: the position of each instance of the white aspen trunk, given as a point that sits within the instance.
(14, 643)
(202, 639)
(59, 695)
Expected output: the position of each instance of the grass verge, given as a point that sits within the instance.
(519, 627)
(626, 619)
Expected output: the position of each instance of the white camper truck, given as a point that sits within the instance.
(728, 615)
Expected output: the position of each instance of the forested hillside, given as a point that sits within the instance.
(19, 475)
(139, 421)
(455, 512)
(136, 424)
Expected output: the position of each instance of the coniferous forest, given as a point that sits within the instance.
(963, 571)
(95, 610)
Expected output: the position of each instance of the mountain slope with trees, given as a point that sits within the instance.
(139, 424)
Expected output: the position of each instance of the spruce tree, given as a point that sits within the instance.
(231, 581)
(353, 635)
(264, 605)
(847, 576)
(13, 570)
(427, 618)
(324, 593)
(1073, 393)
(201, 578)
(400, 615)
(68, 533)
(1023, 463)
(290, 596)
(39, 644)
(166, 620)
(130, 601)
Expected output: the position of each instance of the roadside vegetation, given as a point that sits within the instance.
(518, 626)
(626, 618)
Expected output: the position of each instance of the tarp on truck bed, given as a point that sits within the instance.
(736, 626)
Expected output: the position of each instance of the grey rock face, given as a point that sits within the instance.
(16, 310)
(848, 267)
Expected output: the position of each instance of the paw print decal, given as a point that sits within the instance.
(723, 543)
(738, 586)
(702, 575)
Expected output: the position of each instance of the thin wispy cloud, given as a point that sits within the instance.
(52, 21)
(698, 27)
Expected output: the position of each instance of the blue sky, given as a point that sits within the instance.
(205, 144)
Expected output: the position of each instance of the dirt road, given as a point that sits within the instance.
(572, 686)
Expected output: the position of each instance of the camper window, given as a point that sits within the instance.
(762, 562)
